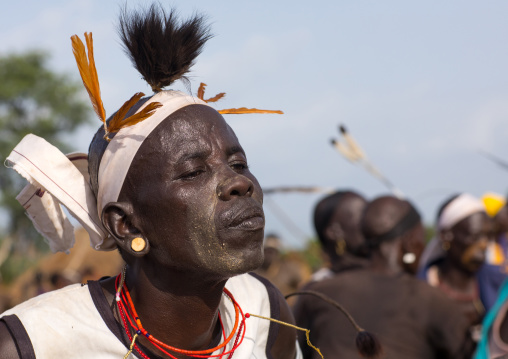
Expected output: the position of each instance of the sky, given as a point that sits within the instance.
(422, 86)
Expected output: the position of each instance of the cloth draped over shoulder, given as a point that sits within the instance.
(56, 180)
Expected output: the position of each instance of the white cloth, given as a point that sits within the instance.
(66, 324)
(55, 180)
(461, 207)
(50, 172)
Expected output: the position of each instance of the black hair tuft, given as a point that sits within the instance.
(161, 47)
(368, 345)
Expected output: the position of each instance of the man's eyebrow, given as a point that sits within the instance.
(192, 156)
(235, 149)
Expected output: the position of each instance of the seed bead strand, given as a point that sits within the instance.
(182, 351)
(123, 293)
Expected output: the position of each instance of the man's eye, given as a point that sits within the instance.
(192, 174)
(239, 166)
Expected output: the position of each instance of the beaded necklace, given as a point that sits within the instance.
(127, 310)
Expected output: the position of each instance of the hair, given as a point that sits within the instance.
(324, 211)
(162, 49)
(381, 216)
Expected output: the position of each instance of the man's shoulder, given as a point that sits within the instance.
(73, 295)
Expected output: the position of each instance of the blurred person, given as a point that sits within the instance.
(463, 231)
(286, 271)
(494, 337)
(493, 272)
(337, 223)
(411, 319)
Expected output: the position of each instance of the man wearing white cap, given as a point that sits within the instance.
(463, 231)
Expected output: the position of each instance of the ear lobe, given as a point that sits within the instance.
(117, 217)
(334, 232)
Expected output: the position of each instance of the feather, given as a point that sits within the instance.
(243, 110)
(88, 72)
(122, 112)
(345, 151)
(351, 143)
(201, 91)
(215, 98)
(201, 94)
(142, 115)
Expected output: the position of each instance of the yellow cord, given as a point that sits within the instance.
(307, 331)
(131, 347)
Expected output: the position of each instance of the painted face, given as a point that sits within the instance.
(198, 204)
(470, 238)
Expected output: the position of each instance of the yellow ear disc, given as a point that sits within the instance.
(138, 244)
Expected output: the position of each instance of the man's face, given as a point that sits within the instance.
(470, 238)
(200, 206)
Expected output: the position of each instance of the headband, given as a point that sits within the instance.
(461, 207)
(410, 219)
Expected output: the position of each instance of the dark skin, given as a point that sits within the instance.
(381, 216)
(346, 245)
(190, 195)
(467, 241)
(380, 285)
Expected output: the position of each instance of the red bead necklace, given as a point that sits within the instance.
(127, 310)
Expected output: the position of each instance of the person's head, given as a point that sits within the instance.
(464, 228)
(337, 223)
(393, 230)
(188, 191)
(496, 208)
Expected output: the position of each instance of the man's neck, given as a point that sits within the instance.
(455, 277)
(180, 312)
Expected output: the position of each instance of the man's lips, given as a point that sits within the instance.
(250, 218)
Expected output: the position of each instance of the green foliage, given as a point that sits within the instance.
(313, 254)
(33, 99)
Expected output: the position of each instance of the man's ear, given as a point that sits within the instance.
(334, 232)
(117, 218)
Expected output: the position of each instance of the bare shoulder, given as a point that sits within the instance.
(8, 348)
(285, 343)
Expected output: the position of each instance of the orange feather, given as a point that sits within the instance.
(243, 110)
(216, 97)
(88, 72)
(201, 91)
(148, 111)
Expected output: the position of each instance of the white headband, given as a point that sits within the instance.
(114, 166)
(55, 179)
(461, 207)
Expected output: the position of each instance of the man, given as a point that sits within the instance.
(173, 192)
(494, 271)
(463, 231)
(337, 223)
(411, 319)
